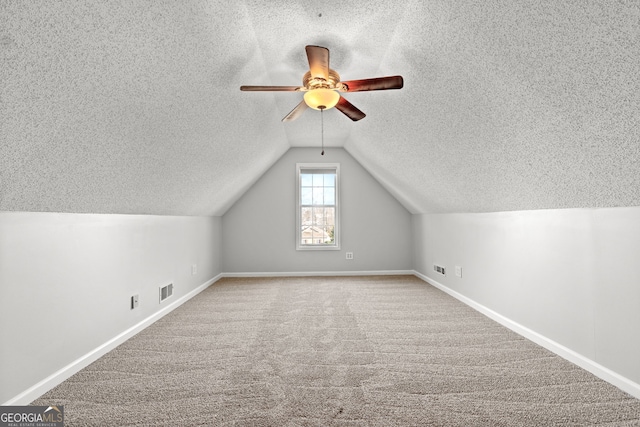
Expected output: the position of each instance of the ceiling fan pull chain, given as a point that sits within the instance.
(322, 129)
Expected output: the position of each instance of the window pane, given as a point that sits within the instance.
(318, 196)
(329, 216)
(311, 235)
(318, 179)
(317, 235)
(318, 216)
(329, 180)
(306, 180)
(306, 216)
(305, 196)
(327, 235)
(329, 196)
(306, 235)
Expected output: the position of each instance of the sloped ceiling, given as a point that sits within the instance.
(135, 107)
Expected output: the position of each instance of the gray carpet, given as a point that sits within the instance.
(334, 351)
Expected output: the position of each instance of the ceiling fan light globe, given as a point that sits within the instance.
(321, 99)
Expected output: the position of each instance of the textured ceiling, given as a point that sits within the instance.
(135, 107)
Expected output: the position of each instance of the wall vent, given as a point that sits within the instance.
(166, 291)
(439, 269)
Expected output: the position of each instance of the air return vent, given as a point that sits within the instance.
(439, 269)
(166, 292)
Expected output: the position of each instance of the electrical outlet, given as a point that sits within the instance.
(134, 302)
(194, 269)
(349, 255)
(458, 271)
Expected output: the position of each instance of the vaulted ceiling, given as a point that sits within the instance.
(135, 107)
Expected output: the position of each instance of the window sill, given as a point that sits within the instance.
(317, 248)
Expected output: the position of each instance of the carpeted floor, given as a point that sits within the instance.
(334, 351)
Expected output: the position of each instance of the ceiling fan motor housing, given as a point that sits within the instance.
(332, 82)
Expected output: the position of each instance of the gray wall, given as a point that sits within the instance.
(572, 276)
(66, 282)
(259, 230)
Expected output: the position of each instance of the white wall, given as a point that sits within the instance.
(572, 276)
(66, 282)
(259, 231)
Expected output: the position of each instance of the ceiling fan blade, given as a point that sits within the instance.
(318, 61)
(271, 88)
(378, 83)
(296, 112)
(349, 110)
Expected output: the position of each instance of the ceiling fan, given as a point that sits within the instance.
(321, 85)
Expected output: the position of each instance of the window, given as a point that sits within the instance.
(318, 225)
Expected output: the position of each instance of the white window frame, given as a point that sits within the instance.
(336, 232)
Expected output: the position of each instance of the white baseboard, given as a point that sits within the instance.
(58, 377)
(585, 363)
(322, 273)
